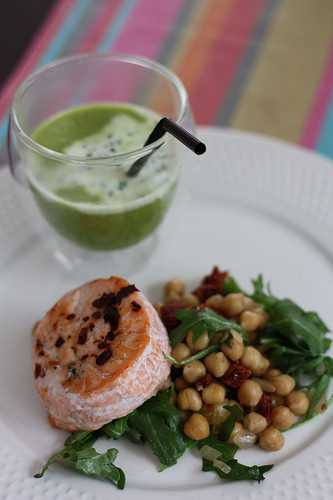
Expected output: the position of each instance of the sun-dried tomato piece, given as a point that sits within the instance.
(204, 381)
(168, 314)
(236, 375)
(264, 407)
(203, 292)
(211, 284)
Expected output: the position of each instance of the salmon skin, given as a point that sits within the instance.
(98, 354)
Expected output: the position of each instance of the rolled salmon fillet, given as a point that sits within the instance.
(98, 354)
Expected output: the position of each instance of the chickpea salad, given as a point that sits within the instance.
(245, 368)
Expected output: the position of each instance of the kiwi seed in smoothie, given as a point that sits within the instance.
(95, 204)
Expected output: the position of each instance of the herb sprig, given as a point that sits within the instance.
(199, 321)
(197, 355)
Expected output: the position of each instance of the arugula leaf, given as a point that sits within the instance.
(298, 327)
(328, 363)
(159, 423)
(135, 436)
(161, 404)
(55, 457)
(199, 322)
(99, 465)
(79, 454)
(197, 355)
(289, 323)
(297, 343)
(234, 470)
(266, 299)
(165, 443)
(230, 285)
(316, 320)
(316, 393)
(116, 428)
(236, 414)
(299, 363)
(235, 411)
(238, 472)
(80, 439)
(89, 462)
(302, 330)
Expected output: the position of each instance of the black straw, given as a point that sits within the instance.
(163, 126)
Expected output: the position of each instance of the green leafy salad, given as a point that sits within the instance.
(245, 367)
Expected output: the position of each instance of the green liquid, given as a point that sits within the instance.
(96, 206)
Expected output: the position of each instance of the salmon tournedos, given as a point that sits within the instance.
(98, 354)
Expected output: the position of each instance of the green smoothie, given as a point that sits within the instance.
(93, 203)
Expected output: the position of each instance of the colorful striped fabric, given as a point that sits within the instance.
(258, 65)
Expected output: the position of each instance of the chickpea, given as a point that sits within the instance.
(213, 394)
(298, 402)
(255, 422)
(284, 384)
(174, 288)
(233, 304)
(236, 433)
(196, 427)
(194, 371)
(271, 439)
(201, 343)
(251, 358)
(254, 360)
(181, 351)
(273, 372)
(172, 297)
(180, 383)
(263, 366)
(216, 363)
(264, 316)
(250, 320)
(215, 302)
(190, 300)
(249, 393)
(189, 399)
(282, 418)
(235, 348)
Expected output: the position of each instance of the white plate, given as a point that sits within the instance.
(250, 205)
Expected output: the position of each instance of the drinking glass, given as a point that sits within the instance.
(81, 230)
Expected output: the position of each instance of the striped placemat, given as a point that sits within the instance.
(259, 65)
